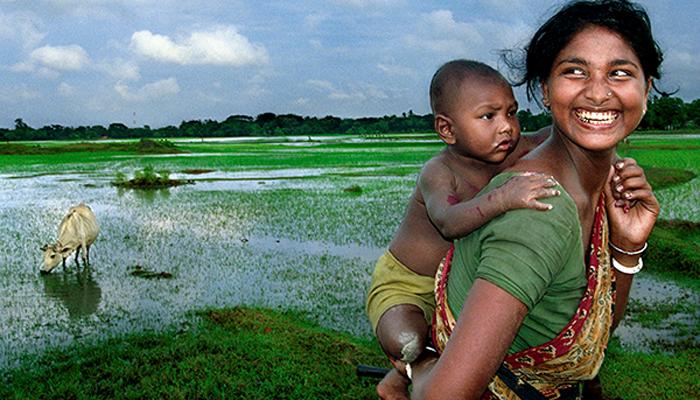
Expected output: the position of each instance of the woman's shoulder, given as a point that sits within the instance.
(563, 212)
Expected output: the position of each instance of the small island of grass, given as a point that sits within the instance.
(148, 178)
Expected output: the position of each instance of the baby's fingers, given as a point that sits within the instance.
(545, 192)
(538, 205)
(541, 193)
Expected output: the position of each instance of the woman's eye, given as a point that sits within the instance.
(620, 73)
(575, 72)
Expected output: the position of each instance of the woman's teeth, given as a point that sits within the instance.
(597, 118)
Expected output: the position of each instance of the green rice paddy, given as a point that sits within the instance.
(286, 223)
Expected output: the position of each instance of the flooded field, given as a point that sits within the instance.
(289, 237)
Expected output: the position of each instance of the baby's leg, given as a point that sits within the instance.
(398, 302)
(402, 332)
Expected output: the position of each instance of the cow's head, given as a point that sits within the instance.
(53, 255)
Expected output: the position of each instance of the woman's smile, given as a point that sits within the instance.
(597, 118)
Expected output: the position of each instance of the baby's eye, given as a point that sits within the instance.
(487, 116)
(512, 113)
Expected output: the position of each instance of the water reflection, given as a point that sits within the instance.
(78, 292)
(147, 195)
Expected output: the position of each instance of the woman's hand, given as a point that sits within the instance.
(631, 205)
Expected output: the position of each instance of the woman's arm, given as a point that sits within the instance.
(630, 227)
(485, 330)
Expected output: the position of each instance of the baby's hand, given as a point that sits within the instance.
(522, 191)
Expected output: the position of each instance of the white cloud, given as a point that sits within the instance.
(320, 84)
(122, 70)
(21, 27)
(368, 3)
(314, 20)
(16, 94)
(357, 92)
(482, 39)
(149, 91)
(62, 58)
(439, 32)
(66, 89)
(510, 7)
(397, 70)
(222, 45)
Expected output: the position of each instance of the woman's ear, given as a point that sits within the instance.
(443, 127)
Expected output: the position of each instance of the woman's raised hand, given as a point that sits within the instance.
(631, 205)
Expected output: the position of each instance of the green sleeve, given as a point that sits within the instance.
(523, 251)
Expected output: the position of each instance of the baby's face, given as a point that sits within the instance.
(484, 121)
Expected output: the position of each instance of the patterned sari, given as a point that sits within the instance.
(576, 353)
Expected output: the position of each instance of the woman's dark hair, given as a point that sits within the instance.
(627, 19)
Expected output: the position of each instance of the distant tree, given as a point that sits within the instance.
(666, 113)
(117, 130)
(692, 112)
(530, 122)
(265, 118)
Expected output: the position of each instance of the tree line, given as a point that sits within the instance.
(664, 113)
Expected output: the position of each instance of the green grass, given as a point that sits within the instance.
(235, 353)
(640, 376)
(148, 178)
(661, 177)
(143, 146)
(674, 250)
(262, 354)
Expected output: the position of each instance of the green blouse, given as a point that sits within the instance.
(536, 256)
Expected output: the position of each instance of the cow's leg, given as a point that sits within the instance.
(64, 263)
(87, 254)
(77, 253)
(86, 249)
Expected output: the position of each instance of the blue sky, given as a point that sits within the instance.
(159, 62)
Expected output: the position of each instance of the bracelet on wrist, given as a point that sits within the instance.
(629, 253)
(628, 270)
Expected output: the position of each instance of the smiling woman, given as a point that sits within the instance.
(534, 292)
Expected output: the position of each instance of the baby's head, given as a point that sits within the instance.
(474, 110)
(446, 85)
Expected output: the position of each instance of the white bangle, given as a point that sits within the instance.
(628, 270)
(629, 253)
(409, 371)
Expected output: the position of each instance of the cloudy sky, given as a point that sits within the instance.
(159, 62)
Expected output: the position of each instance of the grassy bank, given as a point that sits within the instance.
(261, 354)
(236, 353)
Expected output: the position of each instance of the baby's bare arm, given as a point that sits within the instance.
(458, 220)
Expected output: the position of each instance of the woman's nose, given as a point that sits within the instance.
(598, 89)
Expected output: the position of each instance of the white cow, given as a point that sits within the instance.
(77, 231)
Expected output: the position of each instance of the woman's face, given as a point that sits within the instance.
(596, 90)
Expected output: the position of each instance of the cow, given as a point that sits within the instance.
(77, 231)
